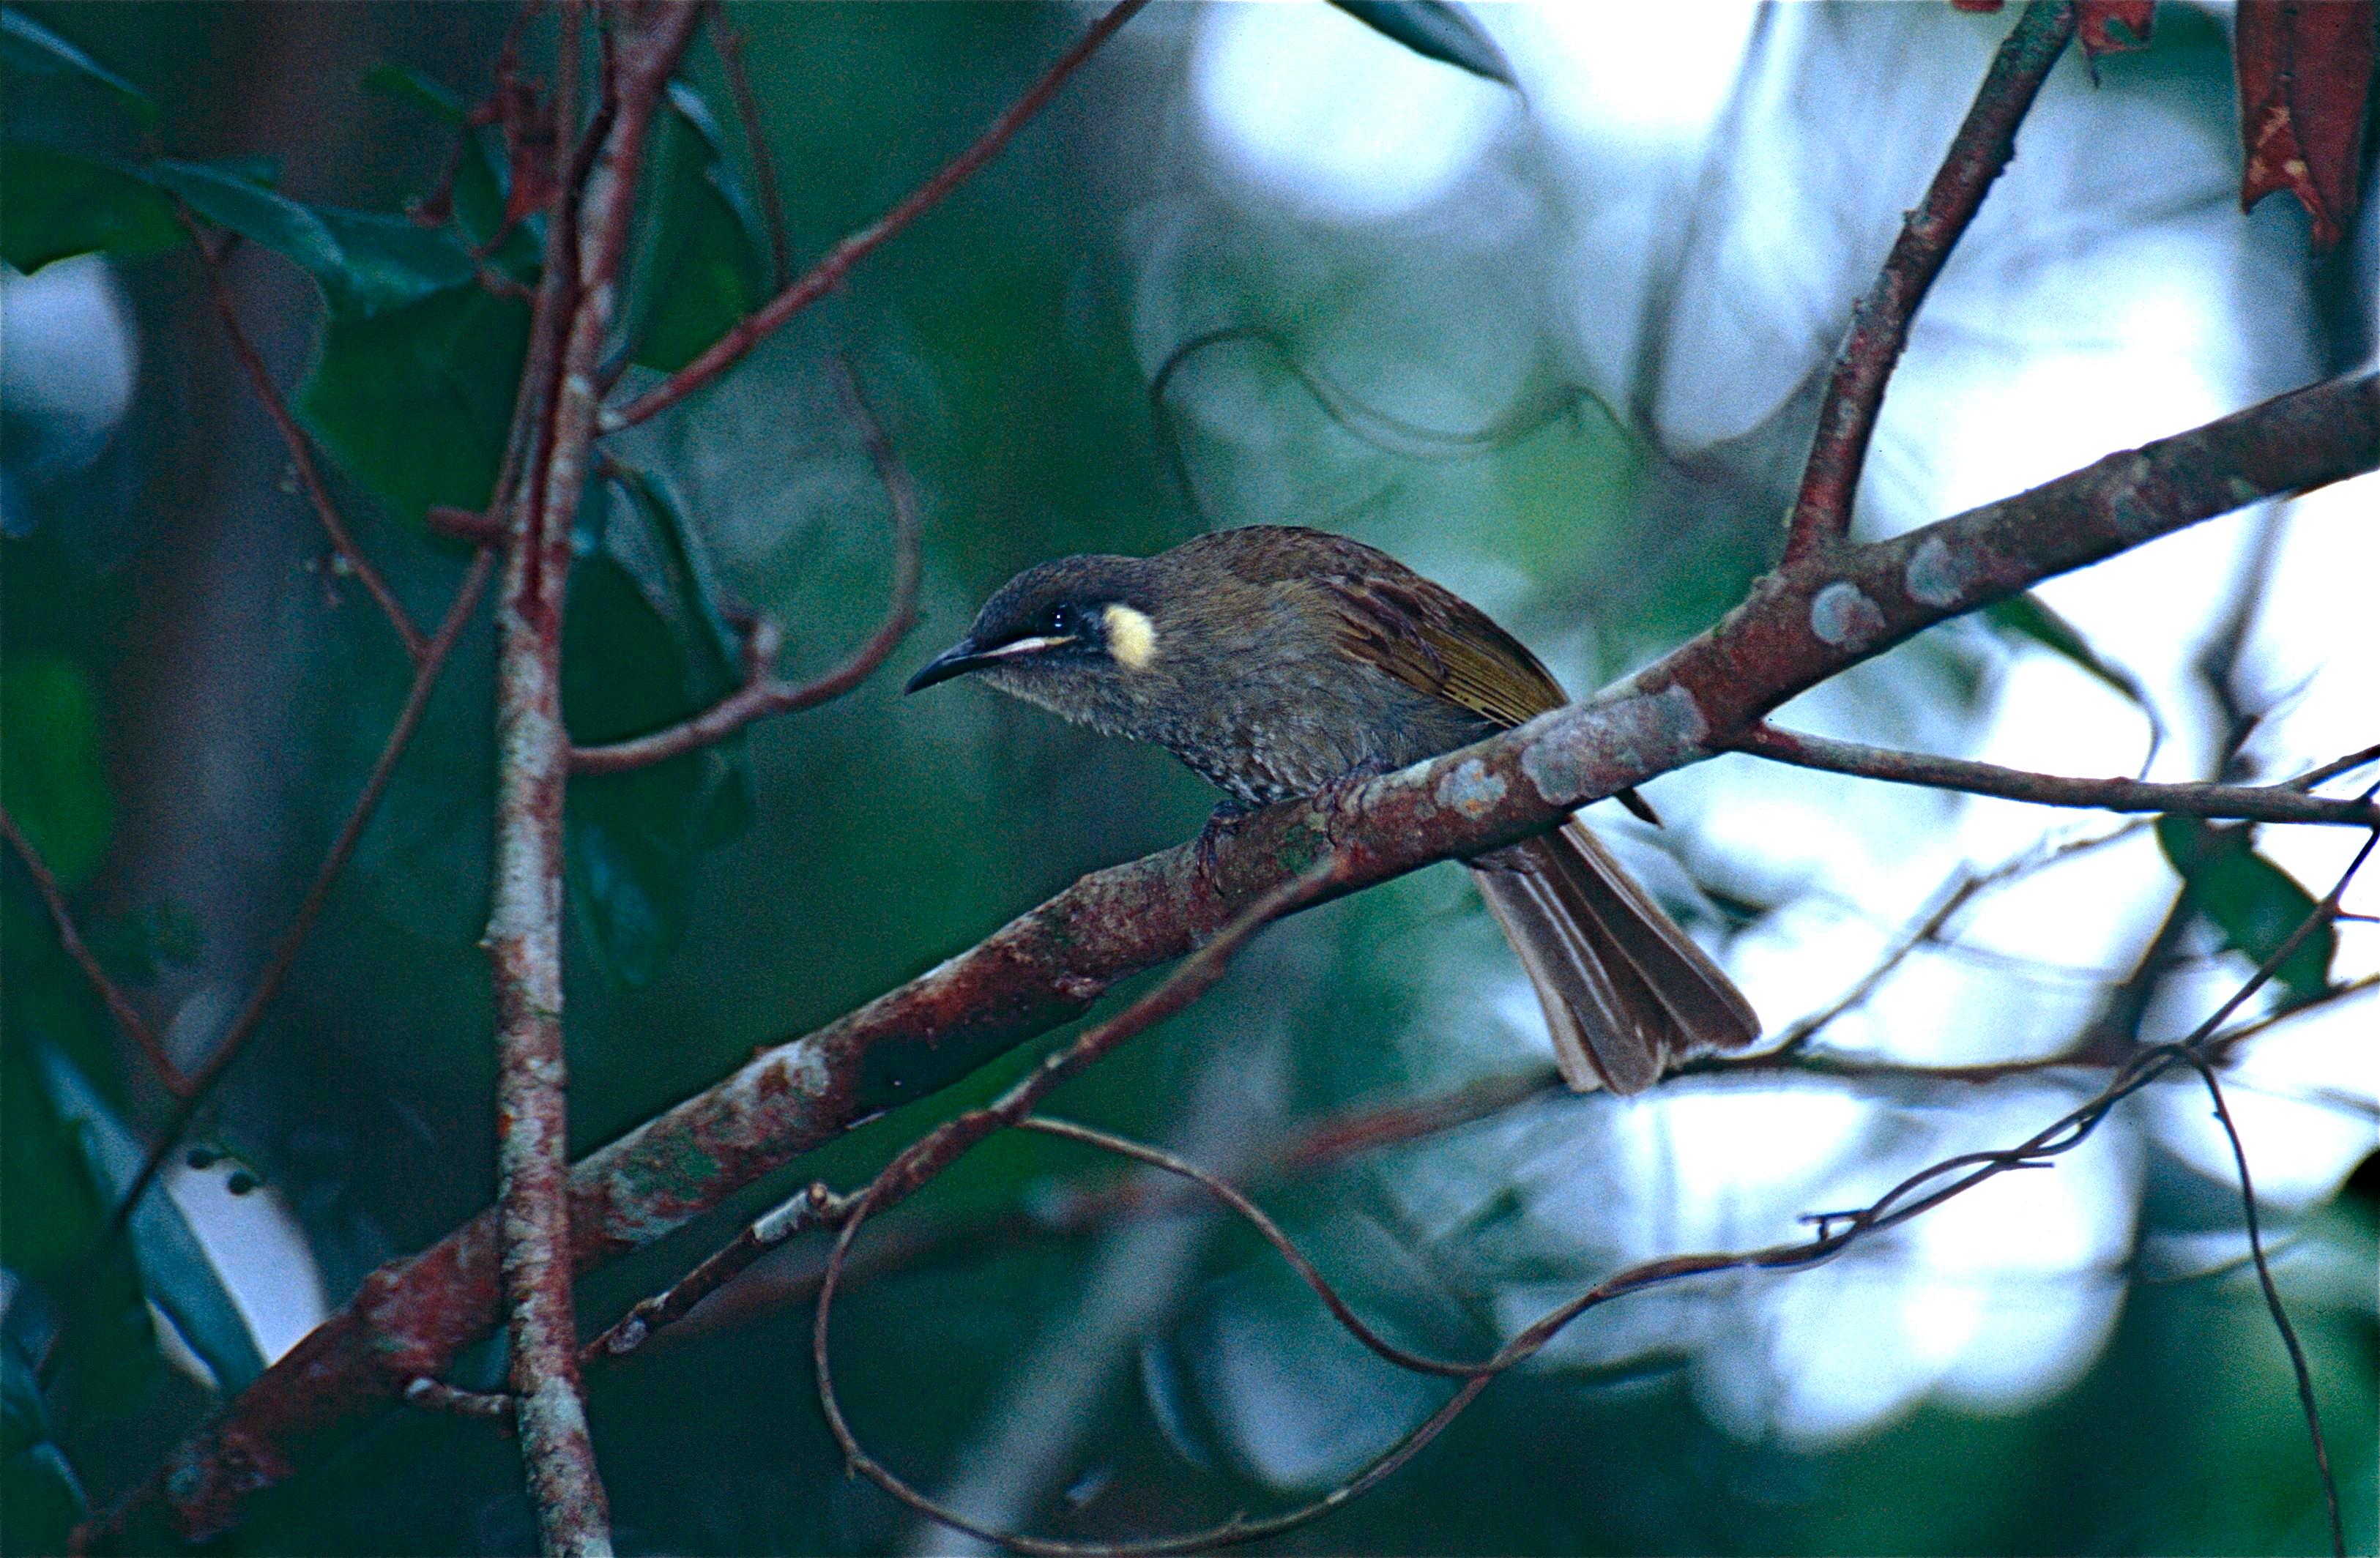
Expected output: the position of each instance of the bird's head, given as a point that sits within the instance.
(1072, 635)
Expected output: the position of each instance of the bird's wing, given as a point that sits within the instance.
(1434, 640)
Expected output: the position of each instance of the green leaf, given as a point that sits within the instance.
(43, 1498)
(698, 267)
(51, 778)
(27, 45)
(367, 263)
(60, 204)
(2254, 903)
(644, 646)
(414, 403)
(175, 1271)
(410, 85)
(2028, 617)
(1434, 31)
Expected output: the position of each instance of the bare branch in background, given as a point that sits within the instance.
(120, 1006)
(1834, 1233)
(1800, 625)
(823, 276)
(1879, 330)
(302, 448)
(2275, 802)
(763, 694)
(727, 41)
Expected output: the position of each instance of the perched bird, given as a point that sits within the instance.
(1275, 661)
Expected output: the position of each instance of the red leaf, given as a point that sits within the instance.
(2096, 20)
(2305, 70)
(1981, 5)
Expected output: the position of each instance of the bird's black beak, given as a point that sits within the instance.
(956, 661)
(964, 657)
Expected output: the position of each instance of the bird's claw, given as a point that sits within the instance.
(1222, 823)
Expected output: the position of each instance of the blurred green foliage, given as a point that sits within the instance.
(755, 889)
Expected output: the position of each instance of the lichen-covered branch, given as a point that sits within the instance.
(1797, 627)
(1987, 140)
(524, 940)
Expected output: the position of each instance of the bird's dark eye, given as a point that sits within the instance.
(1061, 622)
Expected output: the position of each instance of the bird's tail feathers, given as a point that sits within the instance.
(1626, 993)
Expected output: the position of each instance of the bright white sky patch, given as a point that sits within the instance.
(1333, 118)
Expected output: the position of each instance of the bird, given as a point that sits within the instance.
(1278, 661)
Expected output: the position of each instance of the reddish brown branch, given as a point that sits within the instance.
(1799, 625)
(1822, 512)
(838, 262)
(2252, 803)
(763, 695)
(350, 557)
(524, 939)
(120, 1004)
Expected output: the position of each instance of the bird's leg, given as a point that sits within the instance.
(1222, 823)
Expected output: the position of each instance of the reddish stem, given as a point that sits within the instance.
(823, 276)
(120, 1004)
(302, 448)
(1822, 512)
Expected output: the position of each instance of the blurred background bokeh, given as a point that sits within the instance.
(1556, 348)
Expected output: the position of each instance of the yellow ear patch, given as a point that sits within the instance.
(1132, 637)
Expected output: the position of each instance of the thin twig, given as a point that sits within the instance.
(2273, 1304)
(727, 40)
(302, 448)
(814, 1207)
(1822, 512)
(1834, 1233)
(434, 1395)
(120, 1004)
(838, 262)
(2332, 769)
(763, 695)
(244, 1026)
(2252, 803)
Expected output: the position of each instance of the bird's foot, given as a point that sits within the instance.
(1222, 823)
(1336, 800)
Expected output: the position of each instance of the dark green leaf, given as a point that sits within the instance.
(53, 1215)
(60, 204)
(1436, 31)
(644, 646)
(2254, 903)
(410, 85)
(44, 1497)
(367, 263)
(49, 772)
(175, 1270)
(2029, 617)
(27, 45)
(414, 403)
(698, 268)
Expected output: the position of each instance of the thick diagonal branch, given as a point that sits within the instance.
(1799, 626)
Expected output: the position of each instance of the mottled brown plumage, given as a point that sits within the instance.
(1275, 661)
